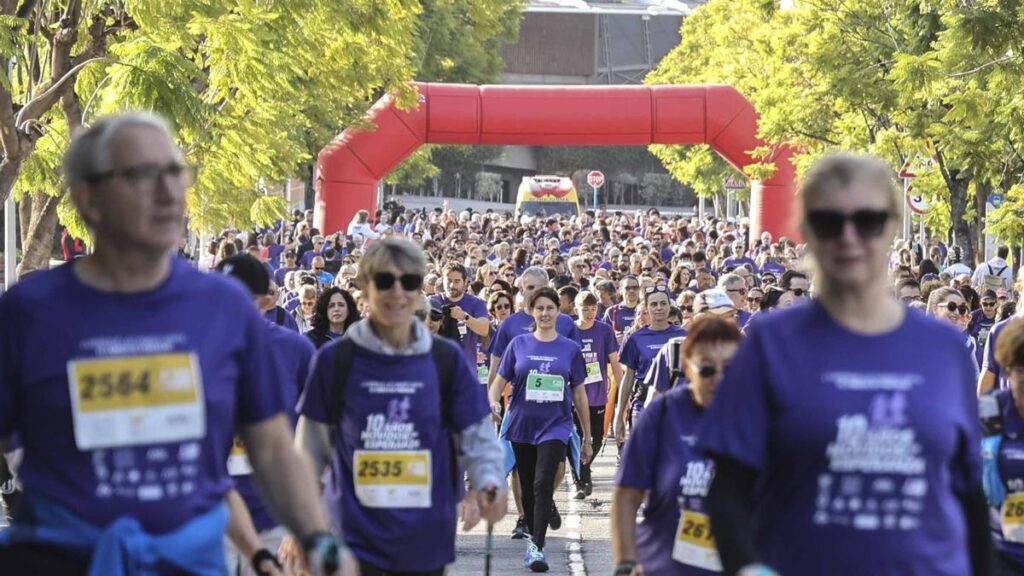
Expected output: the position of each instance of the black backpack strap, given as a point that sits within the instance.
(343, 354)
(445, 361)
(280, 316)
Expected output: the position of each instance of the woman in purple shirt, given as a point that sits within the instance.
(662, 470)
(852, 415)
(546, 371)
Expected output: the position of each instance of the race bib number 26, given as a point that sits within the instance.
(136, 400)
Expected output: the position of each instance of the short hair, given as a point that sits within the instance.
(1002, 251)
(455, 267)
(839, 170)
(585, 298)
(1010, 346)
(606, 286)
(492, 300)
(536, 271)
(543, 292)
(307, 292)
(569, 292)
(709, 329)
(730, 279)
(788, 276)
(89, 151)
(402, 253)
(907, 283)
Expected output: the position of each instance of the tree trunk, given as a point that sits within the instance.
(958, 183)
(40, 233)
(981, 193)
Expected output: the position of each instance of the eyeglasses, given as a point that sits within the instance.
(318, 269)
(798, 292)
(686, 308)
(143, 178)
(632, 287)
(909, 299)
(953, 307)
(737, 290)
(656, 288)
(502, 306)
(385, 280)
(768, 280)
(707, 371)
(829, 224)
(753, 300)
(988, 304)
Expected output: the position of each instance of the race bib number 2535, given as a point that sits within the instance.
(135, 400)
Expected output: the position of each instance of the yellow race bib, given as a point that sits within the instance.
(134, 400)
(1011, 515)
(694, 544)
(393, 479)
(238, 459)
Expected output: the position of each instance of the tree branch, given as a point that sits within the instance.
(995, 62)
(46, 99)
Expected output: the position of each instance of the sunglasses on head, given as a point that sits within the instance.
(385, 280)
(656, 288)
(829, 224)
(954, 307)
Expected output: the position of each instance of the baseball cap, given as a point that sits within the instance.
(1002, 293)
(249, 271)
(989, 294)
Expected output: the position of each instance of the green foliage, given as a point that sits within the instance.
(488, 186)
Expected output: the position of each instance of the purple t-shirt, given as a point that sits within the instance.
(293, 353)
(542, 375)
(598, 343)
(195, 332)
(733, 263)
(476, 308)
(639, 350)
(1010, 463)
(522, 323)
(862, 443)
(394, 404)
(989, 360)
(660, 459)
(274, 255)
(620, 317)
(979, 329)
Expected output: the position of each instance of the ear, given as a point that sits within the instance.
(82, 195)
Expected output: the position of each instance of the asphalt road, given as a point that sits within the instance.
(581, 546)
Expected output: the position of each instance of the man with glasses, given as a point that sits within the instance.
(982, 322)
(909, 291)
(316, 250)
(735, 287)
(622, 315)
(467, 311)
(797, 283)
(322, 276)
(108, 468)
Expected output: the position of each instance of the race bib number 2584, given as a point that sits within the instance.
(134, 400)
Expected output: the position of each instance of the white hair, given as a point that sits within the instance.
(89, 152)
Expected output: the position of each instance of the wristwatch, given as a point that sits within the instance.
(323, 549)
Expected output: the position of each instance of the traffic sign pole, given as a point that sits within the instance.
(596, 179)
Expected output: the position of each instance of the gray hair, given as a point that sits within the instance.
(397, 252)
(89, 153)
(730, 278)
(537, 272)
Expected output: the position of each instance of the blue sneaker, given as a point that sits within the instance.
(522, 531)
(535, 559)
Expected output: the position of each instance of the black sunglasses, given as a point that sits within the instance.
(988, 304)
(707, 371)
(753, 299)
(829, 224)
(385, 280)
(798, 292)
(953, 307)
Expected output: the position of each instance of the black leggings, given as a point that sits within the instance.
(596, 434)
(537, 466)
(367, 569)
(1003, 566)
(53, 561)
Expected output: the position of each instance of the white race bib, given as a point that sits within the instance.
(481, 373)
(238, 459)
(694, 545)
(135, 400)
(593, 373)
(392, 479)
(462, 329)
(545, 388)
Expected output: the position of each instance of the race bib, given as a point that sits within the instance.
(694, 545)
(238, 460)
(136, 400)
(1012, 517)
(481, 373)
(462, 329)
(593, 373)
(394, 479)
(545, 388)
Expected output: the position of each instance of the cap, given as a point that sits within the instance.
(249, 271)
(989, 294)
(1002, 293)
(718, 300)
(436, 306)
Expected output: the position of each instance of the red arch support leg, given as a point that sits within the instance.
(350, 167)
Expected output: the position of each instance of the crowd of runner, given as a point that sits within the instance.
(778, 407)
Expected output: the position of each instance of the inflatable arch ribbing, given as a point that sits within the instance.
(349, 168)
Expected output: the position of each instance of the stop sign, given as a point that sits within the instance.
(595, 179)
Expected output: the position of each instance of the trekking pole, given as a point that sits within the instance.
(489, 543)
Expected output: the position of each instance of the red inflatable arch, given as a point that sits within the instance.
(351, 166)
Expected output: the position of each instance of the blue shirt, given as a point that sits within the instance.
(862, 443)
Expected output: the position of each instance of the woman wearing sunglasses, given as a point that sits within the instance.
(546, 371)
(949, 305)
(639, 350)
(661, 469)
(852, 416)
(387, 427)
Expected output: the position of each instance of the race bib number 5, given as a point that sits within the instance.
(135, 400)
(545, 388)
(393, 479)
(694, 545)
(1012, 517)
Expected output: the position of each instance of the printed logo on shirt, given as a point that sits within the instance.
(391, 431)
(697, 479)
(872, 381)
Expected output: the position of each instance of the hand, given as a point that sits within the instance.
(496, 412)
(588, 453)
(469, 510)
(290, 556)
(265, 564)
(493, 503)
(620, 431)
(458, 314)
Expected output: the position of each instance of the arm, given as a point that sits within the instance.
(625, 391)
(481, 326)
(579, 400)
(244, 537)
(979, 538)
(613, 360)
(313, 439)
(731, 509)
(625, 503)
(492, 371)
(494, 393)
(986, 383)
(285, 482)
